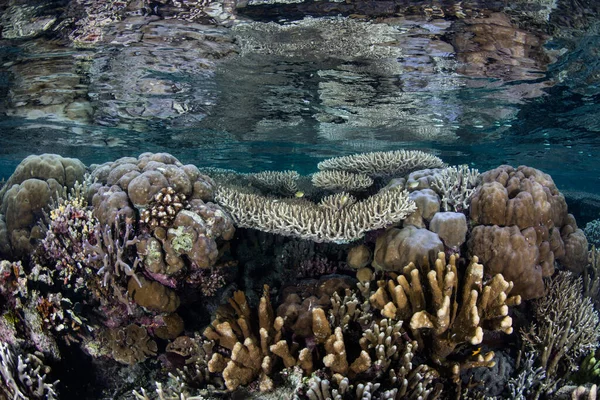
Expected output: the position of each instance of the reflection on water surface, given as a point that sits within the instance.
(279, 85)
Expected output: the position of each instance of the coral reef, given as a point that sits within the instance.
(341, 180)
(373, 293)
(24, 375)
(567, 328)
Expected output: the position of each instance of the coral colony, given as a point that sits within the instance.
(385, 275)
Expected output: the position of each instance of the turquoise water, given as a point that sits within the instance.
(254, 98)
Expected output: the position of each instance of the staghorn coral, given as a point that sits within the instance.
(341, 180)
(528, 381)
(453, 320)
(456, 186)
(24, 376)
(109, 251)
(382, 163)
(174, 389)
(131, 344)
(591, 277)
(567, 327)
(307, 221)
(280, 182)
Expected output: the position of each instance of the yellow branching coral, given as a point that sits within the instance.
(252, 354)
(454, 319)
(308, 221)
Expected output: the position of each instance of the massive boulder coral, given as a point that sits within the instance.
(526, 200)
(396, 248)
(65, 171)
(144, 177)
(27, 194)
(191, 239)
(23, 206)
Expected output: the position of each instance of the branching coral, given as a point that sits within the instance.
(280, 182)
(567, 327)
(453, 320)
(306, 220)
(383, 163)
(252, 355)
(71, 225)
(24, 377)
(455, 185)
(109, 251)
(341, 180)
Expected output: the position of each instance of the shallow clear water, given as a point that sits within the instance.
(267, 95)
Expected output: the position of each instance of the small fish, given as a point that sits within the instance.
(476, 352)
(412, 185)
(299, 194)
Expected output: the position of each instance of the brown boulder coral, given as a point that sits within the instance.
(191, 238)
(397, 248)
(523, 227)
(28, 192)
